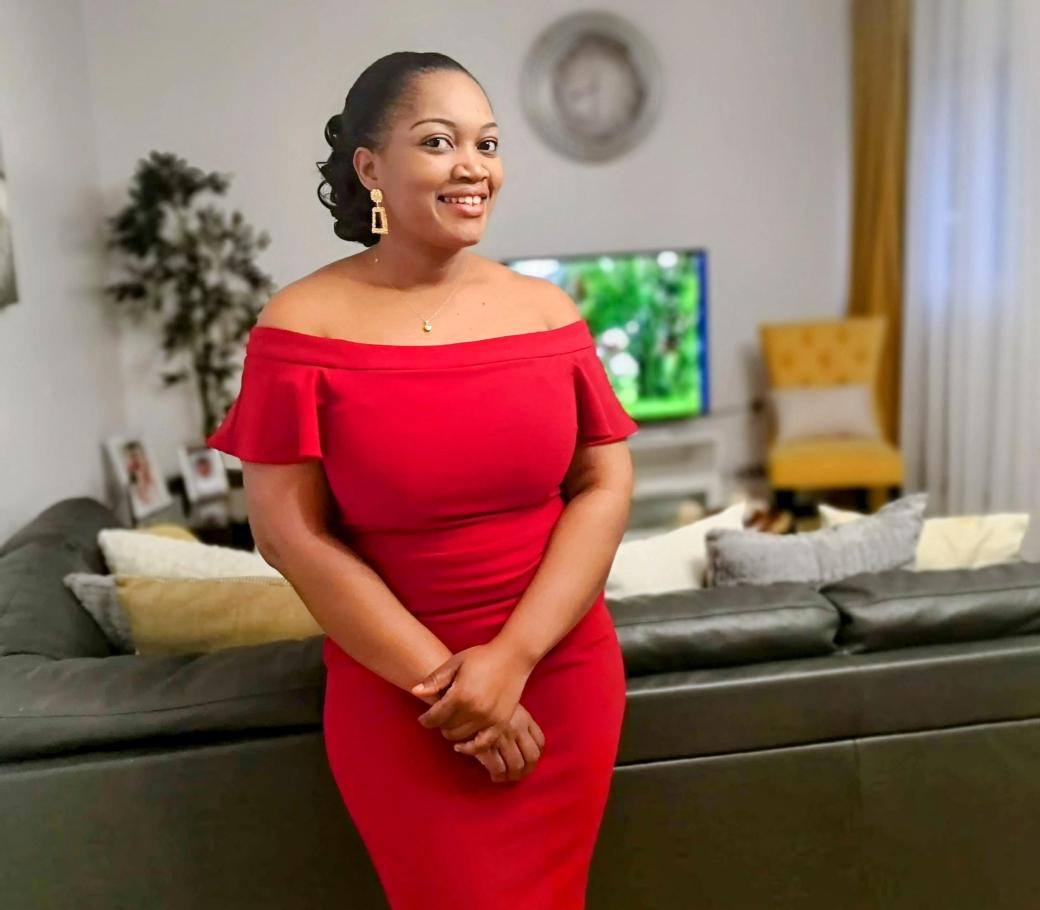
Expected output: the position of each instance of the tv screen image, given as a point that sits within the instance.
(647, 311)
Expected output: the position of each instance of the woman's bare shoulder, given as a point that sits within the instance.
(300, 305)
(288, 308)
(553, 304)
(556, 305)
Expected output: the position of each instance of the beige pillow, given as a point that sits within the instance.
(825, 410)
(189, 615)
(165, 529)
(956, 542)
(133, 553)
(671, 561)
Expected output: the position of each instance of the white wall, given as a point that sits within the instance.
(750, 158)
(61, 387)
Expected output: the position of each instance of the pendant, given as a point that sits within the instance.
(426, 326)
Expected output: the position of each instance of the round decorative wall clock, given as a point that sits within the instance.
(592, 85)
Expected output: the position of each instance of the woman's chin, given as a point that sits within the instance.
(470, 230)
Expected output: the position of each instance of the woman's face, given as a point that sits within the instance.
(443, 144)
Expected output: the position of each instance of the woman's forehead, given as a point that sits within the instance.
(453, 96)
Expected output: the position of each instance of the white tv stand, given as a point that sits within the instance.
(678, 459)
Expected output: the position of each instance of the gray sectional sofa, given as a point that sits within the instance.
(872, 744)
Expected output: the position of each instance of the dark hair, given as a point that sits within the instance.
(375, 98)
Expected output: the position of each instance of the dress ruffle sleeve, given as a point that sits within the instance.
(601, 417)
(275, 418)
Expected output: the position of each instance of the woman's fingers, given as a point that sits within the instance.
(529, 748)
(484, 740)
(439, 678)
(488, 737)
(461, 732)
(513, 752)
(459, 716)
(509, 758)
(536, 733)
(494, 762)
(516, 764)
(531, 752)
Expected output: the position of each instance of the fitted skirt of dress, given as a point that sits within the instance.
(441, 834)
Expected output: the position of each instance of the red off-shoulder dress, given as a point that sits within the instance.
(445, 462)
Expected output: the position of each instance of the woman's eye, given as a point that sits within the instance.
(445, 139)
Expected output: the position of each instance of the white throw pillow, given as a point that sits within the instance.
(129, 552)
(958, 541)
(671, 561)
(827, 410)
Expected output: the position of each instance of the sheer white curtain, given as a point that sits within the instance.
(971, 350)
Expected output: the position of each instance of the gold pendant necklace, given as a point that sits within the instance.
(427, 324)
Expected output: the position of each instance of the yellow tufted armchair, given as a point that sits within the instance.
(828, 352)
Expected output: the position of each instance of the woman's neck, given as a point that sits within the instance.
(410, 269)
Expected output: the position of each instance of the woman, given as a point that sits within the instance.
(446, 489)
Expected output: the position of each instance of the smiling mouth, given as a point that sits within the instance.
(470, 205)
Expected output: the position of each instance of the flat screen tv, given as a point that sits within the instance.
(648, 311)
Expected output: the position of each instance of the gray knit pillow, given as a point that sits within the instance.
(97, 595)
(885, 540)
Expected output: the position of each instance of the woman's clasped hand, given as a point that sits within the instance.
(481, 712)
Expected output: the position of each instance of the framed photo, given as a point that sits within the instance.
(203, 471)
(138, 475)
(8, 279)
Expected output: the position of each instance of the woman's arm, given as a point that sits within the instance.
(288, 507)
(574, 568)
(358, 611)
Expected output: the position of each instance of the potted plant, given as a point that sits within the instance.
(193, 266)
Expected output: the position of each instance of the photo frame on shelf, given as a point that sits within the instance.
(137, 475)
(205, 476)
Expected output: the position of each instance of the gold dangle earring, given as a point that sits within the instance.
(379, 222)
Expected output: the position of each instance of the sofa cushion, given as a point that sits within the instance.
(715, 627)
(884, 610)
(84, 703)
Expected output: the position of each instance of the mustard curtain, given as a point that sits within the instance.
(880, 87)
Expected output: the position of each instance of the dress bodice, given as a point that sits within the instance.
(429, 448)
